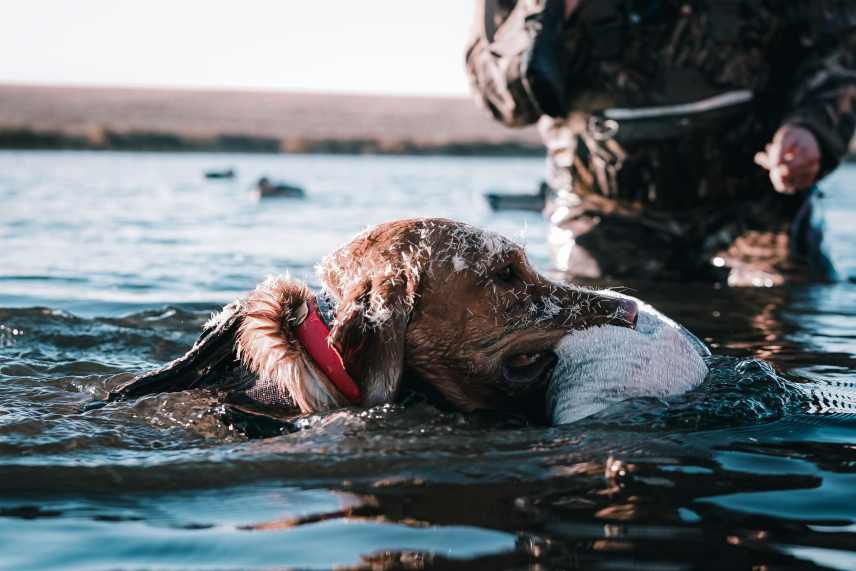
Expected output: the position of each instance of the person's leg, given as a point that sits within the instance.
(596, 238)
(778, 239)
(807, 237)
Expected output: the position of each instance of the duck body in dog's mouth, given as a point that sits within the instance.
(601, 366)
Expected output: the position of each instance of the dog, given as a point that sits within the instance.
(425, 302)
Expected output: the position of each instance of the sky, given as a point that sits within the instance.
(401, 47)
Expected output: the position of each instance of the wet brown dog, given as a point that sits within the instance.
(424, 301)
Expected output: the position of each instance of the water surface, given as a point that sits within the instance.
(111, 262)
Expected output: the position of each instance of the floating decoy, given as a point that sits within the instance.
(267, 189)
(534, 202)
(220, 175)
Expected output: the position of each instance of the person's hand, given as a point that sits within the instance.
(570, 6)
(793, 159)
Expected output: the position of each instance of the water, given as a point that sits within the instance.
(110, 263)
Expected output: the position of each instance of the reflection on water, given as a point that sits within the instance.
(206, 529)
(111, 262)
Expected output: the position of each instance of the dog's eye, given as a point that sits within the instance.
(506, 275)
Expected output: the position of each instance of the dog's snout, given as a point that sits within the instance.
(628, 310)
(622, 311)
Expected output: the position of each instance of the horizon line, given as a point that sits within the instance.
(223, 88)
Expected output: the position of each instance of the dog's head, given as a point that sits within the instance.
(455, 307)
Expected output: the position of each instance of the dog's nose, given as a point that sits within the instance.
(628, 310)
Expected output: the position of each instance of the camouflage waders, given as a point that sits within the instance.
(652, 112)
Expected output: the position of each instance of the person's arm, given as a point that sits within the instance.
(817, 131)
(514, 61)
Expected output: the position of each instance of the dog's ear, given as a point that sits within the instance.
(376, 281)
(268, 347)
(370, 331)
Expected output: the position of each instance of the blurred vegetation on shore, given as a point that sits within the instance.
(48, 117)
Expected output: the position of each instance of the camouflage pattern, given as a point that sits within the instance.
(686, 186)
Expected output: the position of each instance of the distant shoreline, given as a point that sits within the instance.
(145, 119)
(192, 120)
(106, 140)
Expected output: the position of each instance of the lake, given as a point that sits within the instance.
(110, 263)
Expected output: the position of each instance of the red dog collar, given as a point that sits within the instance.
(314, 336)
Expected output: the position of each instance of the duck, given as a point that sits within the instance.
(267, 189)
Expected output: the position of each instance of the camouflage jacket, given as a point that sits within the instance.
(666, 102)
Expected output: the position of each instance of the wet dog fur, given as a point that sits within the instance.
(433, 302)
